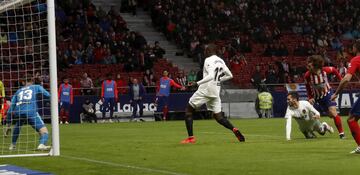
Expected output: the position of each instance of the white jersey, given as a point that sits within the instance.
(214, 72)
(304, 112)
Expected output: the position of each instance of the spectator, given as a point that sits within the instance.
(182, 79)
(158, 51)
(257, 78)
(282, 50)
(342, 69)
(191, 78)
(300, 50)
(99, 53)
(86, 85)
(133, 6)
(109, 58)
(88, 113)
(136, 93)
(76, 86)
(336, 44)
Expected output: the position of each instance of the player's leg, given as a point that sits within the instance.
(306, 128)
(15, 134)
(165, 108)
(104, 108)
(38, 124)
(66, 112)
(353, 124)
(141, 109)
(62, 111)
(215, 106)
(321, 128)
(159, 107)
(331, 109)
(111, 108)
(195, 101)
(135, 108)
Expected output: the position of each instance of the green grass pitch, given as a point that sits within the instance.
(153, 148)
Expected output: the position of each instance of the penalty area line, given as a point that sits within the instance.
(123, 165)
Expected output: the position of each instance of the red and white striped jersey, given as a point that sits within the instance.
(317, 85)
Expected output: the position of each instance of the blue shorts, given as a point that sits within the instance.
(65, 106)
(162, 101)
(324, 103)
(108, 103)
(355, 109)
(33, 119)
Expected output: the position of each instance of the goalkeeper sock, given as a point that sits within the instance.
(44, 138)
(189, 124)
(355, 130)
(337, 121)
(15, 133)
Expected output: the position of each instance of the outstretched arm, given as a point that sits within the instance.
(341, 86)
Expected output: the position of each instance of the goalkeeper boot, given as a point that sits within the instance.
(188, 140)
(238, 134)
(12, 147)
(43, 147)
(356, 151)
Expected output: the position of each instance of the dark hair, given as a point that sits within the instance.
(294, 94)
(211, 49)
(317, 61)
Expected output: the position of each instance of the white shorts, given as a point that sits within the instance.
(212, 103)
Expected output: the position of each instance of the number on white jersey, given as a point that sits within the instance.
(218, 73)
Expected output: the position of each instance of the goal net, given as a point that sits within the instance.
(28, 51)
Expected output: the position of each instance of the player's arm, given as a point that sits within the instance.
(308, 88)
(174, 84)
(43, 91)
(227, 75)
(103, 89)
(333, 70)
(59, 92)
(341, 86)
(116, 91)
(71, 95)
(210, 76)
(313, 110)
(351, 71)
(288, 118)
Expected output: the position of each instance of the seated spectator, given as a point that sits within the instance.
(237, 62)
(76, 86)
(191, 79)
(181, 79)
(246, 47)
(282, 50)
(300, 50)
(99, 53)
(322, 41)
(336, 44)
(342, 55)
(342, 69)
(86, 85)
(257, 78)
(158, 51)
(269, 50)
(88, 113)
(109, 58)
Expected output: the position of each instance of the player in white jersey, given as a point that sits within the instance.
(306, 116)
(215, 71)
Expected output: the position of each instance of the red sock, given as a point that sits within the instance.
(165, 112)
(338, 124)
(355, 130)
(66, 116)
(62, 113)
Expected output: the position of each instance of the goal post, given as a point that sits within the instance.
(28, 50)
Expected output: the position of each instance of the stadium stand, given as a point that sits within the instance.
(263, 31)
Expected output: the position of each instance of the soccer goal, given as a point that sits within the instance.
(28, 51)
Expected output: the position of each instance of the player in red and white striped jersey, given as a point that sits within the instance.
(319, 90)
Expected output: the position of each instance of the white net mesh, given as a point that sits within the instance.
(23, 55)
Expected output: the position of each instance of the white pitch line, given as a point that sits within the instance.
(124, 166)
(256, 135)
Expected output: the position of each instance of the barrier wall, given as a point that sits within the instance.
(178, 102)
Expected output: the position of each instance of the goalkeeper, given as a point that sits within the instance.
(24, 109)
